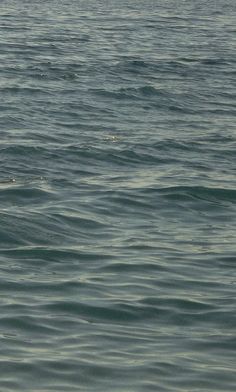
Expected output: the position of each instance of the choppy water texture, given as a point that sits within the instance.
(118, 196)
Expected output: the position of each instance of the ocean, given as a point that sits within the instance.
(117, 196)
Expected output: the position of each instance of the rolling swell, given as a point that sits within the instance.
(117, 196)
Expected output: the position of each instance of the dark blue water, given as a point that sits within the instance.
(117, 196)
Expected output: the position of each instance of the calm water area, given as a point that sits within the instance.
(117, 196)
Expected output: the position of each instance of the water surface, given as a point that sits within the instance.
(118, 196)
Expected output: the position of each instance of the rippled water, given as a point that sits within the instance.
(118, 196)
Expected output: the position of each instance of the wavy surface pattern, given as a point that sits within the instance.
(117, 196)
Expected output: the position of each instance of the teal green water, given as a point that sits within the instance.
(117, 196)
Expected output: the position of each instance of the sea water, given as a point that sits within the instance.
(117, 196)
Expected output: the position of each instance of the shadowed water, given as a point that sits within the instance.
(117, 196)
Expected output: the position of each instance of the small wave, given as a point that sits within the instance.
(22, 195)
(117, 313)
(130, 92)
(194, 192)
